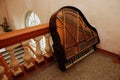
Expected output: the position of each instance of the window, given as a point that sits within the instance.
(31, 20)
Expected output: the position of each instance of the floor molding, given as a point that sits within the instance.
(115, 57)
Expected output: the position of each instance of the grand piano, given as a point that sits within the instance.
(73, 37)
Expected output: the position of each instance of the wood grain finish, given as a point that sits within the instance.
(72, 35)
(17, 36)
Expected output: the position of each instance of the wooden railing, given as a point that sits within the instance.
(12, 39)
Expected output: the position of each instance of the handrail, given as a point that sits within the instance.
(17, 36)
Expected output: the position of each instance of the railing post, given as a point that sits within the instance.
(48, 48)
(39, 57)
(2, 73)
(27, 57)
(14, 64)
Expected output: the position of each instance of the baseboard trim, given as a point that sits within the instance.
(115, 57)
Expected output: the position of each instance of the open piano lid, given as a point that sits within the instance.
(71, 34)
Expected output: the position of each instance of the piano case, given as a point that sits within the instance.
(73, 37)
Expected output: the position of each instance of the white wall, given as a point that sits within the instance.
(18, 8)
(103, 14)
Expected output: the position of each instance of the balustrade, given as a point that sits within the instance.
(39, 57)
(14, 64)
(48, 48)
(27, 57)
(12, 39)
